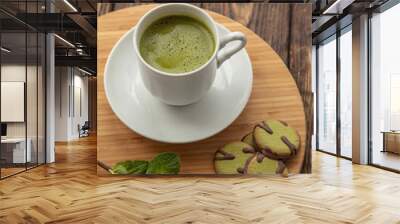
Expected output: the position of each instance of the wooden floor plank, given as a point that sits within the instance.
(69, 191)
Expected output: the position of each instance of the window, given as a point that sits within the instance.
(327, 96)
(334, 94)
(346, 92)
(385, 89)
(394, 116)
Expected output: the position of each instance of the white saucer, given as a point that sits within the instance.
(147, 116)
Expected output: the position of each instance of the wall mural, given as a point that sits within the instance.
(172, 99)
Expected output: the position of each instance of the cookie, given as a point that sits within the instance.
(276, 140)
(264, 165)
(233, 157)
(242, 158)
(249, 139)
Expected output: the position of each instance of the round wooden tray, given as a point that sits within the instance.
(274, 96)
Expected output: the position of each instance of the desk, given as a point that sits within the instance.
(391, 141)
(16, 153)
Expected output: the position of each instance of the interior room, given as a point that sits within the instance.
(29, 56)
(288, 113)
(333, 86)
(23, 96)
(385, 72)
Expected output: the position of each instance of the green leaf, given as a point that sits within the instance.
(130, 167)
(164, 163)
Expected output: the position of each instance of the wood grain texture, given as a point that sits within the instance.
(70, 191)
(299, 63)
(92, 107)
(274, 96)
(285, 27)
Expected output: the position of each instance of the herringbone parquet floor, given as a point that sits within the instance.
(70, 192)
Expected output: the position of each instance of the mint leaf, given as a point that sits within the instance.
(130, 167)
(164, 163)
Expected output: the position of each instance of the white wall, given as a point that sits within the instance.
(33, 127)
(61, 112)
(69, 82)
(81, 83)
(12, 73)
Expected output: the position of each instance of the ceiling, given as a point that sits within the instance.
(16, 43)
(74, 21)
(332, 15)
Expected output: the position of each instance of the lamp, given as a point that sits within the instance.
(70, 5)
(65, 41)
(5, 49)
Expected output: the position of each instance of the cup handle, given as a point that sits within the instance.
(223, 55)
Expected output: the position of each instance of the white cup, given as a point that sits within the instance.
(189, 87)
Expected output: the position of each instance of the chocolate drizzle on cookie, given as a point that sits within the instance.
(240, 170)
(225, 155)
(270, 142)
(268, 153)
(266, 127)
(260, 157)
(290, 145)
(281, 167)
(244, 137)
(248, 150)
(284, 123)
(243, 170)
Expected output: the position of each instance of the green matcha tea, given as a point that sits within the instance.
(177, 44)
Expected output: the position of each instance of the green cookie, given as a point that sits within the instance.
(242, 158)
(263, 165)
(276, 139)
(249, 139)
(233, 157)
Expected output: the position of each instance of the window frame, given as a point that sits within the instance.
(337, 35)
(381, 9)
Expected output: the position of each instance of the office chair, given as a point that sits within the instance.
(84, 130)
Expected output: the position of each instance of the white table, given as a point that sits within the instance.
(19, 155)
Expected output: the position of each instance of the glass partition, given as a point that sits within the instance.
(13, 94)
(23, 91)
